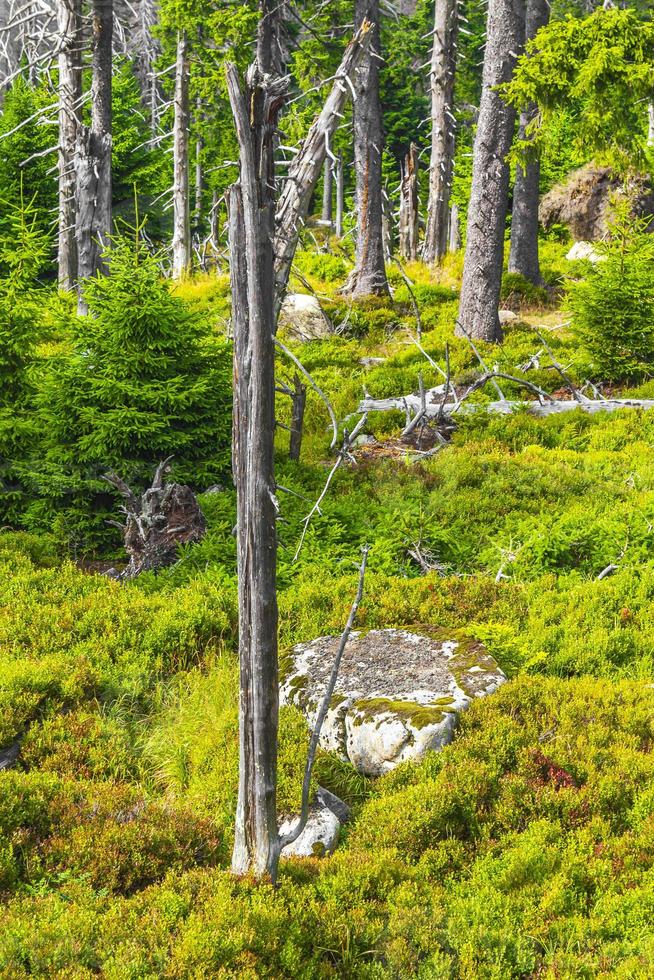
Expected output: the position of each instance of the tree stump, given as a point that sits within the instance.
(164, 517)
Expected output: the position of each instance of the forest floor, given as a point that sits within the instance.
(524, 849)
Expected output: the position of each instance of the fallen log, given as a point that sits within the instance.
(502, 407)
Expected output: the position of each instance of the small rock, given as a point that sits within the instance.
(303, 318)
(215, 488)
(322, 830)
(507, 316)
(364, 440)
(584, 250)
(370, 362)
(398, 694)
(9, 756)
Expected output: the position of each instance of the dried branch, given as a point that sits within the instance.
(315, 387)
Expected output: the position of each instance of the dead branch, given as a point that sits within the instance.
(324, 708)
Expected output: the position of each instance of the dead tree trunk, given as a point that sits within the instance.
(327, 191)
(454, 240)
(303, 174)
(441, 164)
(340, 196)
(650, 124)
(523, 255)
(409, 215)
(199, 176)
(251, 231)
(369, 274)
(298, 399)
(181, 202)
(70, 95)
(93, 157)
(482, 270)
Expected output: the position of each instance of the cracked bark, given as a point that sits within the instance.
(93, 156)
(523, 256)
(409, 216)
(482, 270)
(369, 274)
(441, 165)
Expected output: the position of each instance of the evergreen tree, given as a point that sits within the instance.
(144, 380)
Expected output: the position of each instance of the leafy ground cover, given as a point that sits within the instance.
(524, 849)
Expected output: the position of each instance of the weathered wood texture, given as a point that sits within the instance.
(157, 522)
(409, 223)
(482, 270)
(93, 154)
(70, 94)
(369, 274)
(304, 172)
(181, 124)
(441, 164)
(523, 255)
(251, 204)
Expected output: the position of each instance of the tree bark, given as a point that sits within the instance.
(523, 255)
(299, 398)
(340, 196)
(181, 202)
(304, 172)
(454, 239)
(327, 190)
(369, 274)
(482, 270)
(70, 94)
(251, 228)
(409, 216)
(93, 158)
(441, 164)
(650, 124)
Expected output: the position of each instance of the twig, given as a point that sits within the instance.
(324, 708)
(318, 391)
(555, 364)
(480, 359)
(343, 454)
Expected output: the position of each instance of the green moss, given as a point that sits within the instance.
(417, 715)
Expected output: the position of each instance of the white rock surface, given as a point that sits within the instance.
(584, 250)
(507, 316)
(398, 694)
(322, 830)
(302, 318)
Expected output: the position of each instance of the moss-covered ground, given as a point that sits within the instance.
(525, 849)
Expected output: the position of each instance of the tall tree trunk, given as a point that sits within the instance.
(441, 164)
(409, 216)
(523, 255)
(251, 229)
(650, 126)
(482, 270)
(454, 237)
(270, 54)
(199, 176)
(304, 171)
(369, 275)
(93, 159)
(181, 124)
(327, 190)
(340, 196)
(70, 94)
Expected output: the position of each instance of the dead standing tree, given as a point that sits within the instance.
(93, 154)
(482, 269)
(523, 256)
(441, 164)
(409, 213)
(181, 200)
(70, 93)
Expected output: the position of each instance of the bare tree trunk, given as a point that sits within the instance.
(369, 274)
(441, 165)
(70, 94)
(93, 157)
(251, 227)
(181, 203)
(454, 240)
(327, 190)
(409, 216)
(340, 196)
(270, 54)
(303, 174)
(299, 398)
(199, 177)
(650, 127)
(482, 270)
(523, 256)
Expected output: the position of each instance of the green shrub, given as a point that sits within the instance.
(613, 308)
(145, 380)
